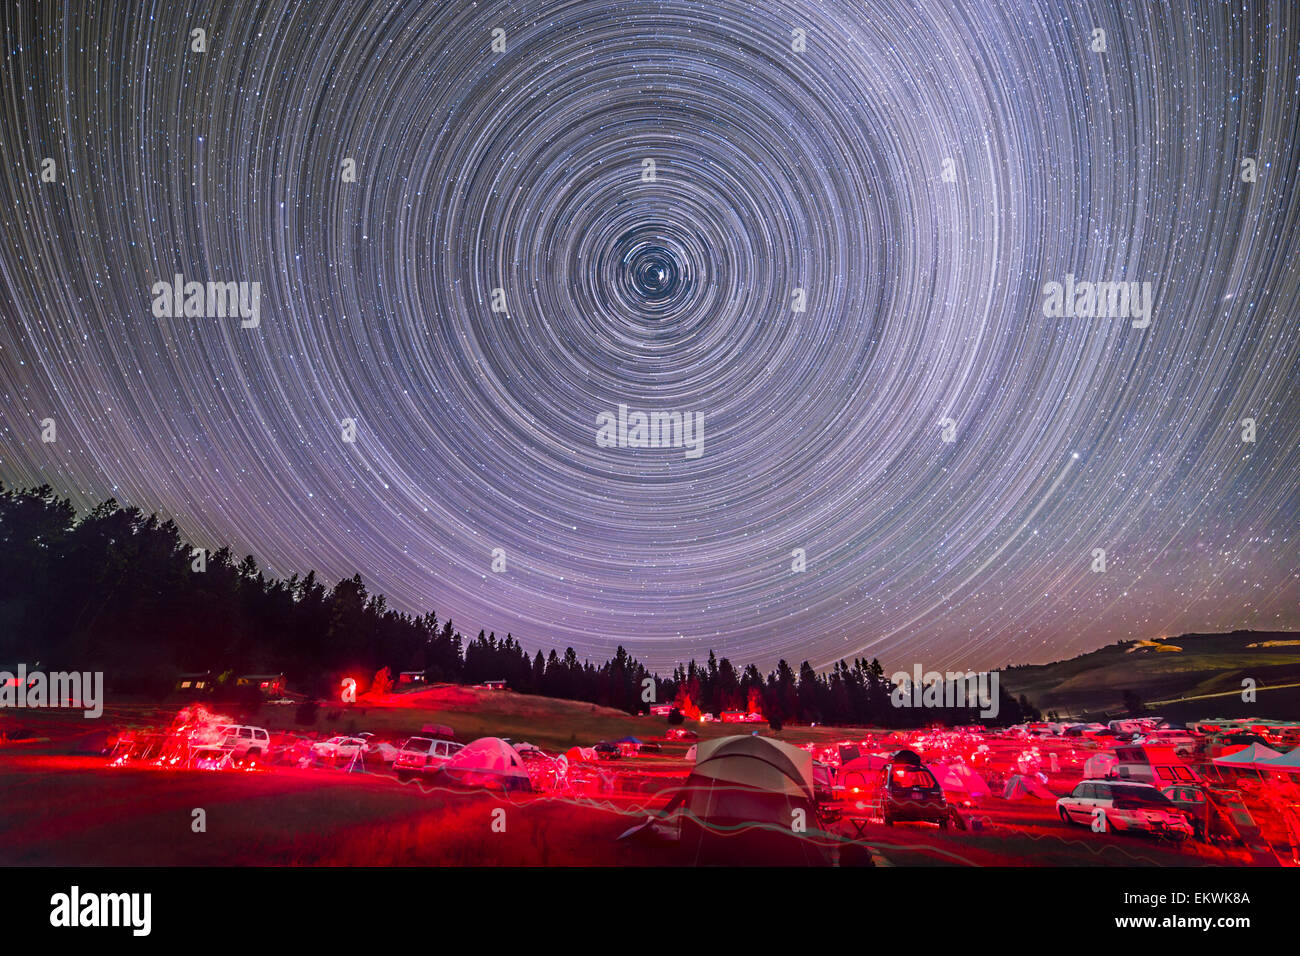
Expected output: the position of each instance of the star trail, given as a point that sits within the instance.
(826, 228)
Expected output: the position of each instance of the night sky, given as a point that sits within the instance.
(775, 169)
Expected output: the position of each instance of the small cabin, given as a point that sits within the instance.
(271, 685)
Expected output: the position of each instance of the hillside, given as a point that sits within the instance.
(1185, 677)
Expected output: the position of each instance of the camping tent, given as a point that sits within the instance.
(957, 778)
(580, 755)
(742, 800)
(488, 762)
(862, 773)
(1099, 766)
(1020, 787)
(1029, 762)
(1247, 756)
(691, 752)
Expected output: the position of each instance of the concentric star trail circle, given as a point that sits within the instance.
(623, 207)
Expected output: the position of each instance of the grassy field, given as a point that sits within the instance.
(62, 811)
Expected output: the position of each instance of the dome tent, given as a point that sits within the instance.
(488, 762)
(1021, 787)
(959, 779)
(1099, 765)
(742, 801)
(863, 773)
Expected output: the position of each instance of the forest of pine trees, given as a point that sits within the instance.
(115, 591)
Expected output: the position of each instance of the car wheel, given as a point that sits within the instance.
(1065, 816)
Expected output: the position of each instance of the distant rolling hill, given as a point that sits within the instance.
(1183, 678)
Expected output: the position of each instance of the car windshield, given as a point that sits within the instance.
(912, 777)
(417, 743)
(1129, 797)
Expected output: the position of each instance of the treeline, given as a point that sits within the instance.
(119, 591)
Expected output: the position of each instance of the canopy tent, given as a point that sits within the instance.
(743, 800)
(1020, 787)
(1287, 762)
(488, 762)
(1099, 766)
(1247, 756)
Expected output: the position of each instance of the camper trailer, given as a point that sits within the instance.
(1156, 764)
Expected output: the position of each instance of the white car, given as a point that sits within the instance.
(423, 755)
(1124, 806)
(338, 748)
(241, 741)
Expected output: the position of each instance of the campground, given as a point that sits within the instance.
(65, 811)
(68, 803)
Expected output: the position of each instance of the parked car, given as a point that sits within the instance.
(1126, 806)
(911, 794)
(338, 748)
(1194, 802)
(420, 755)
(241, 741)
(607, 751)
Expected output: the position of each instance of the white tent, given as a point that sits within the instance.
(691, 751)
(488, 762)
(959, 779)
(1287, 763)
(1247, 756)
(1022, 788)
(1099, 765)
(739, 800)
(1029, 762)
